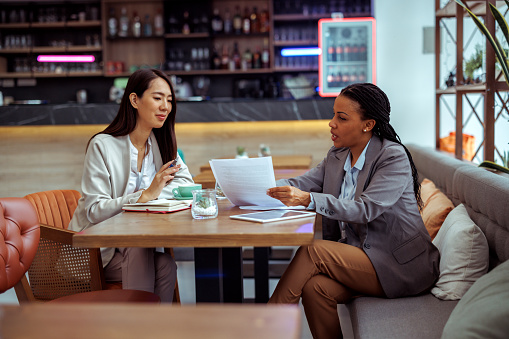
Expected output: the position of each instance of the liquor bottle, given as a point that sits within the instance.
(136, 25)
(215, 59)
(216, 22)
(236, 56)
(204, 23)
(255, 21)
(186, 25)
(147, 26)
(265, 54)
(247, 60)
(225, 58)
(237, 21)
(228, 24)
(112, 24)
(264, 21)
(124, 24)
(246, 22)
(158, 23)
(173, 25)
(257, 58)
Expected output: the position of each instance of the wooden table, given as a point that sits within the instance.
(126, 321)
(207, 179)
(280, 162)
(218, 244)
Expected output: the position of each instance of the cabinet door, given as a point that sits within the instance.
(348, 53)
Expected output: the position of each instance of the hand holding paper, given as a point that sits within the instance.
(245, 181)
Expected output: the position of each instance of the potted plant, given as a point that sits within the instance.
(472, 65)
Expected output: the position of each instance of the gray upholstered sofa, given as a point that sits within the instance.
(486, 198)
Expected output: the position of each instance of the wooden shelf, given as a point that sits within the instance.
(296, 69)
(84, 49)
(315, 16)
(11, 75)
(133, 38)
(15, 50)
(49, 49)
(82, 24)
(59, 24)
(221, 72)
(186, 36)
(15, 26)
(296, 43)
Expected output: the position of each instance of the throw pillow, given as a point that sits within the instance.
(484, 309)
(436, 207)
(463, 255)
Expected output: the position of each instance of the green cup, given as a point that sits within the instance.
(185, 191)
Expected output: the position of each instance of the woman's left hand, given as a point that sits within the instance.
(290, 196)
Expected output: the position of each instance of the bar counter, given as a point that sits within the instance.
(187, 111)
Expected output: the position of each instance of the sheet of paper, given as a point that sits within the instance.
(245, 181)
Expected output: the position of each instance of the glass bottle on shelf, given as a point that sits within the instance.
(173, 25)
(124, 24)
(228, 24)
(265, 54)
(255, 21)
(340, 52)
(246, 22)
(257, 58)
(247, 59)
(331, 51)
(215, 59)
(186, 25)
(158, 23)
(216, 22)
(237, 21)
(147, 26)
(136, 25)
(225, 57)
(264, 21)
(112, 24)
(236, 56)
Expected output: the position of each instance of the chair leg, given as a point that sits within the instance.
(24, 291)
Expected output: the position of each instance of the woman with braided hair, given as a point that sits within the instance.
(367, 193)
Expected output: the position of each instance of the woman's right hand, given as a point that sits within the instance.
(162, 178)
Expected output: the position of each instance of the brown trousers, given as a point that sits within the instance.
(325, 274)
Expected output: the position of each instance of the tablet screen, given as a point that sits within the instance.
(272, 215)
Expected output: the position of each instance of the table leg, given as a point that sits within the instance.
(261, 274)
(218, 274)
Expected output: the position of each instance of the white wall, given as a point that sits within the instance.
(404, 73)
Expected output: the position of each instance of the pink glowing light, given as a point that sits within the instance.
(66, 58)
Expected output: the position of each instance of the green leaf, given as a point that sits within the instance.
(501, 57)
(503, 25)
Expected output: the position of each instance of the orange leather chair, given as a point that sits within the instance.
(23, 247)
(55, 208)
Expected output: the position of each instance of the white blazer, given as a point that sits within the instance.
(105, 181)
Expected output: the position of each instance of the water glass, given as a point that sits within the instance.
(219, 192)
(204, 204)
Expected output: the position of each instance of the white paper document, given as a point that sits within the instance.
(245, 181)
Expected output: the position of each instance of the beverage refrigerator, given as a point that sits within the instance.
(347, 53)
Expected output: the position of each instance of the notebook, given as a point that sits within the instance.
(159, 206)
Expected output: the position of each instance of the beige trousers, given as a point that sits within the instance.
(325, 274)
(143, 269)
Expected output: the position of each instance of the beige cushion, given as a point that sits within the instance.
(463, 255)
(436, 207)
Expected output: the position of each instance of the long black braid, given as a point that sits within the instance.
(375, 105)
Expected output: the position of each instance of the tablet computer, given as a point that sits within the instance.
(272, 215)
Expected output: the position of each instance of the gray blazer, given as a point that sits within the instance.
(384, 218)
(105, 179)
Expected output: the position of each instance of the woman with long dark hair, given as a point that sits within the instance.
(367, 193)
(131, 161)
